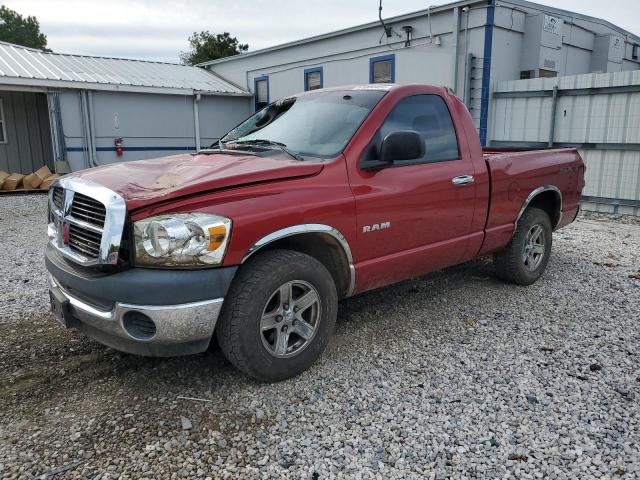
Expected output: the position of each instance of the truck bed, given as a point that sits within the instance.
(515, 174)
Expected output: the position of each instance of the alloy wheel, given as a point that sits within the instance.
(290, 318)
(534, 247)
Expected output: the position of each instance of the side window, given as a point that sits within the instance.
(429, 116)
(261, 92)
(382, 69)
(313, 78)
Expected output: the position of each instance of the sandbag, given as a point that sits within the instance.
(36, 178)
(46, 184)
(13, 181)
(3, 175)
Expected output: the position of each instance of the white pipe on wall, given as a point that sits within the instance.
(54, 127)
(196, 120)
(456, 34)
(92, 130)
(466, 56)
(86, 136)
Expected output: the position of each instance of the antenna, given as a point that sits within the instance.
(387, 30)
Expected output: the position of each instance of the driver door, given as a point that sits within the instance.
(414, 216)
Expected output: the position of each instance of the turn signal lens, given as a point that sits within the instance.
(217, 235)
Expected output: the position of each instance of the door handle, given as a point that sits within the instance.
(462, 180)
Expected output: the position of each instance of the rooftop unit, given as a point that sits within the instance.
(542, 41)
(608, 52)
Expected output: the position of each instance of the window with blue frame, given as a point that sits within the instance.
(313, 78)
(261, 92)
(382, 69)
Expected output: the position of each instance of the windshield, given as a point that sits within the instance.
(317, 124)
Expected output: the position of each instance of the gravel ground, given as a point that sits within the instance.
(450, 375)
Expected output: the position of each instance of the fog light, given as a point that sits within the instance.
(138, 325)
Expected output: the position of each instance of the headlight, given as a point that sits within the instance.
(181, 239)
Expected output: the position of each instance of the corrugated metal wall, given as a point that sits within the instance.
(150, 125)
(28, 143)
(597, 113)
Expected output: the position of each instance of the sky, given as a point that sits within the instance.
(159, 29)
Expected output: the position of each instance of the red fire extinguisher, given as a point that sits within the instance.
(119, 149)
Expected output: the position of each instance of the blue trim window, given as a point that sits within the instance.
(313, 78)
(382, 69)
(261, 92)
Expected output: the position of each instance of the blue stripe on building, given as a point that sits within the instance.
(486, 73)
(132, 149)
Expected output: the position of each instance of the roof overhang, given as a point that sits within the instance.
(35, 84)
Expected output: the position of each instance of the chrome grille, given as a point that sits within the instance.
(84, 241)
(87, 209)
(57, 197)
(86, 221)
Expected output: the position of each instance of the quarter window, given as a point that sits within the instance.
(261, 92)
(382, 69)
(313, 79)
(429, 116)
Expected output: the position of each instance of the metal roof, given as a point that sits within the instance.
(37, 69)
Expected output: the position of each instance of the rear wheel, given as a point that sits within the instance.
(525, 259)
(278, 315)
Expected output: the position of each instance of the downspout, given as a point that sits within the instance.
(85, 129)
(456, 32)
(486, 72)
(196, 120)
(55, 126)
(466, 56)
(92, 130)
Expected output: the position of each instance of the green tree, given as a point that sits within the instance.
(14, 28)
(206, 46)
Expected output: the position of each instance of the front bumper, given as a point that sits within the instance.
(178, 328)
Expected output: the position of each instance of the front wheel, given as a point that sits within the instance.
(525, 259)
(278, 315)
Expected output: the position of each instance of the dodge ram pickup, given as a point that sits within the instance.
(316, 197)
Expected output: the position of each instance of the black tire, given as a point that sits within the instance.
(510, 264)
(239, 330)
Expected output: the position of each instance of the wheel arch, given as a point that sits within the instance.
(322, 242)
(547, 198)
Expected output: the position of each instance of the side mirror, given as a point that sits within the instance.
(402, 145)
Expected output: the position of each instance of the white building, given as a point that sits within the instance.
(468, 46)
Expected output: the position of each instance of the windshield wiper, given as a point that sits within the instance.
(271, 143)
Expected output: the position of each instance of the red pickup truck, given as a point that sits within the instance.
(315, 198)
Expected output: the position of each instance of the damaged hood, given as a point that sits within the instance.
(145, 182)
